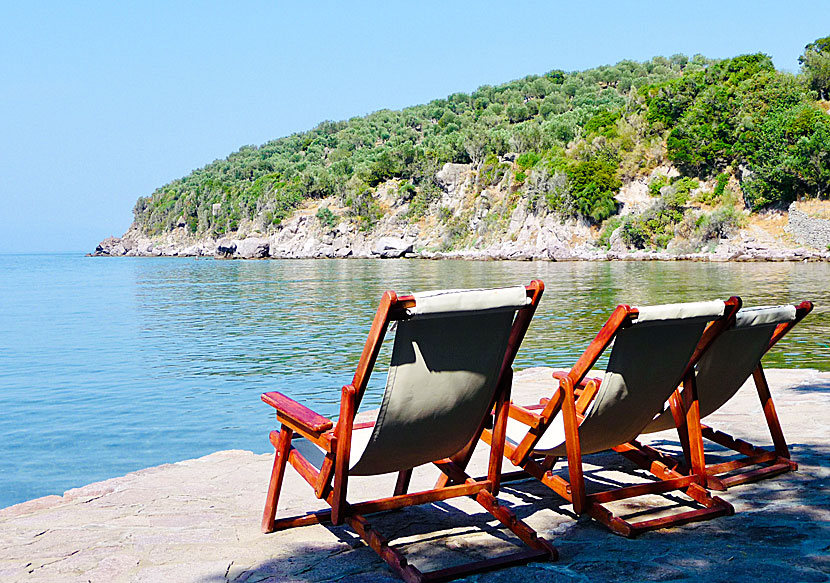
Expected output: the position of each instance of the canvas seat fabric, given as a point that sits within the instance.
(646, 363)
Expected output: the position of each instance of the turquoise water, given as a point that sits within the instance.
(112, 365)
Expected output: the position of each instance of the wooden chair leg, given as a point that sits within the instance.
(277, 473)
(697, 461)
(402, 485)
(769, 412)
(572, 447)
(341, 461)
(678, 412)
(499, 436)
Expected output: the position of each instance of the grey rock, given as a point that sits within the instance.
(252, 248)
(111, 246)
(451, 176)
(616, 241)
(391, 247)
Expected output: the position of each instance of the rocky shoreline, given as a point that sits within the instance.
(469, 223)
(393, 247)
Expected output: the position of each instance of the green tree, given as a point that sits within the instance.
(815, 63)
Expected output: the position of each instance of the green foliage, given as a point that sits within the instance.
(604, 124)
(680, 191)
(593, 185)
(284, 202)
(742, 112)
(656, 184)
(526, 116)
(720, 223)
(528, 160)
(362, 206)
(717, 194)
(326, 217)
(420, 203)
(720, 186)
(815, 63)
(792, 159)
(444, 214)
(656, 226)
(492, 171)
(457, 231)
(406, 191)
(608, 228)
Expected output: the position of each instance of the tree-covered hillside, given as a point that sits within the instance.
(576, 137)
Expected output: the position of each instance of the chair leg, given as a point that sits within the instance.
(396, 561)
(697, 461)
(679, 414)
(573, 449)
(277, 473)
(402, 485)
(498, 437)
(769, 412)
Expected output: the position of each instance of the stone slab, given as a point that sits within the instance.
(198, 520)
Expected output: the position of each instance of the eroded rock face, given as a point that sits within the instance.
(473, 218)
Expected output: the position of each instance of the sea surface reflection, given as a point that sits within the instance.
(111, 365)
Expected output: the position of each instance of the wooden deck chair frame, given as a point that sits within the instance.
(330, 482)
(773, 462)
(573, 396)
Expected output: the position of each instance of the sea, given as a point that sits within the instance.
(110, 365)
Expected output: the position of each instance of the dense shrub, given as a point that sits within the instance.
(326, 217)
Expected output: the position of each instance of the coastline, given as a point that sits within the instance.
(385, 247)
(198, 520)
(792, 236)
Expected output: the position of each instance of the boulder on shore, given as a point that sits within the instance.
(111, 246)
(252, 248)
(391, 247)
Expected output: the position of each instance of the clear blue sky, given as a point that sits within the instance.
(102, 102)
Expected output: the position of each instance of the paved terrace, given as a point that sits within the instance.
(198, 520)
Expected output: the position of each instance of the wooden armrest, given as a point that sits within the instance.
(299, 414)
(587, 395)
(524, 415)
(561, 374)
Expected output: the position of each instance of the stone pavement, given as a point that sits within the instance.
(198, 520)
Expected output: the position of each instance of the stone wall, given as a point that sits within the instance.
(807, 230)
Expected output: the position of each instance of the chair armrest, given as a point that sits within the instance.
(524, 415)
(561, 374)
(299, 414)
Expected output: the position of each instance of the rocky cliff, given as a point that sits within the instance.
(471, 221)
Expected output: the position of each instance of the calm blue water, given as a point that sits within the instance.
(112, 365)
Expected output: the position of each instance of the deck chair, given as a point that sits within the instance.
(654, 349)
(733, 357)
(450, 367)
